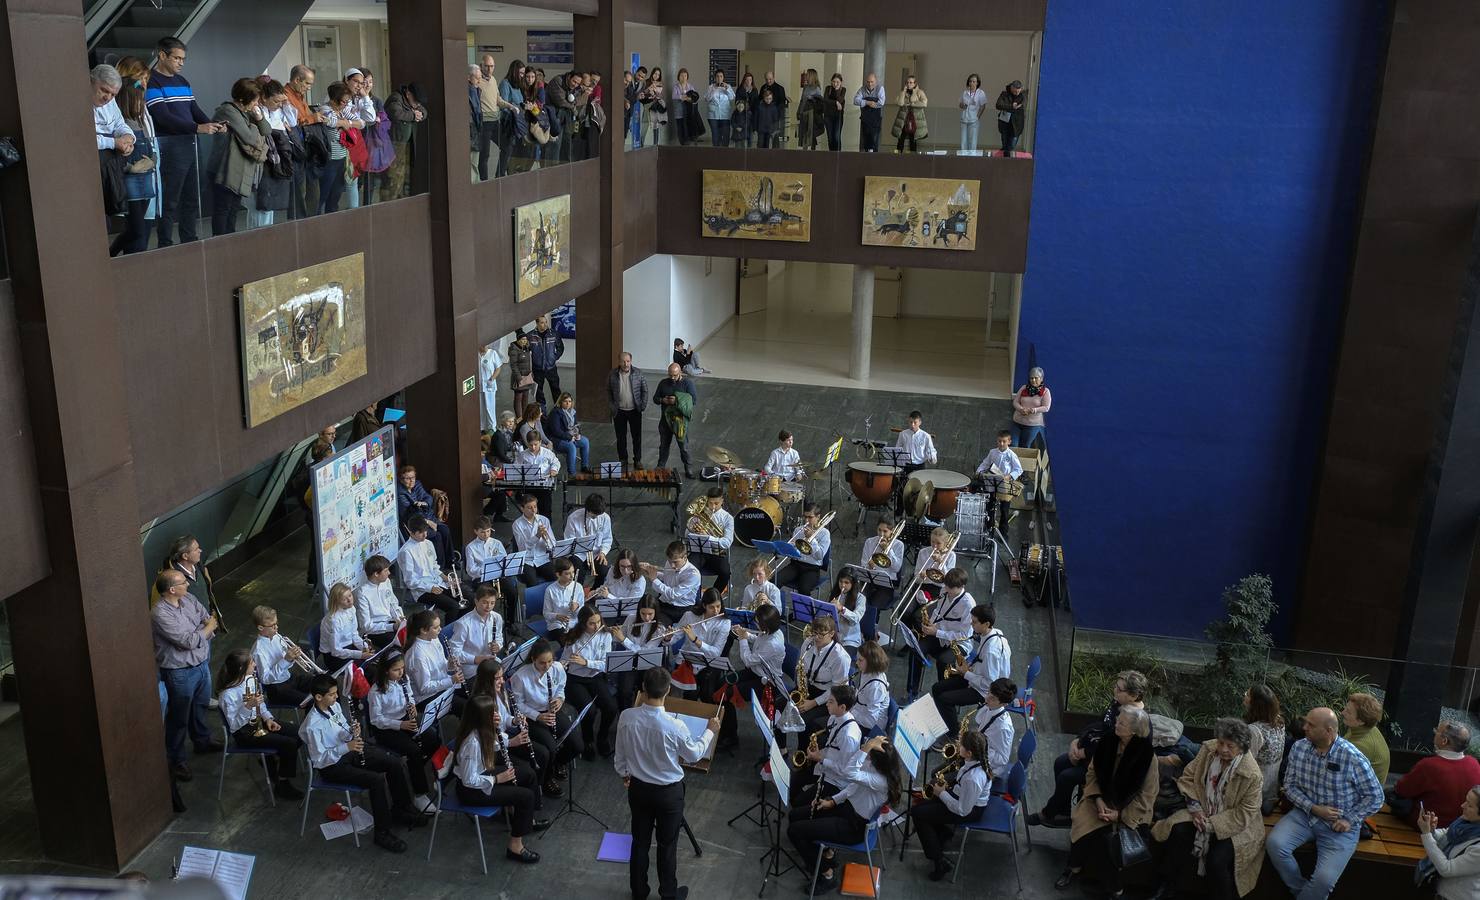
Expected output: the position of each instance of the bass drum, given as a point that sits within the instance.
(758, 522)
(947, 485)
(872, 483)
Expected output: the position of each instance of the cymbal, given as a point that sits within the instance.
(723, 457)
(917, 497)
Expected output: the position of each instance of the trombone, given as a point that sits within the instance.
(881, 558)
(937, 559)
(804, 543)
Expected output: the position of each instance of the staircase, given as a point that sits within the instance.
(133, 27)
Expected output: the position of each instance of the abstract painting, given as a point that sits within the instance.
(760, 206)
(541, 246)
(303, 335)
(928, 213)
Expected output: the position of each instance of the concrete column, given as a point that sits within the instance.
(863, 323)
(670, 51)
(874, 40)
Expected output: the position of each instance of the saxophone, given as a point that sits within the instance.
(941, 782)
(799, 757)
(957, 667)
(802, 691)
(952, 749)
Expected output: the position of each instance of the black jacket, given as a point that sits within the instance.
(768, 118)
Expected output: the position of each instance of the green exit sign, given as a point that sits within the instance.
(470, 384)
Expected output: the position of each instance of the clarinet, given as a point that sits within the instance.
(354, 729)
(410, 714)
(512, 701)
(502, 743)
(452, 659)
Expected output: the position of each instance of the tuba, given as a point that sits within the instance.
(699, 512)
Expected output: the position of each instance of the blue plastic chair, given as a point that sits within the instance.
(534, 608)
(448, 802)
(311, 637)
(318, 783)
(1026, 749)
(231, 749)
(1025, 706)
(887, 729)
(867, 846)
(1000, 818)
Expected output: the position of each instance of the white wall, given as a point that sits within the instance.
(701, 303)
(943, 294)
(646, 289)
(697, 42)
(642, 40)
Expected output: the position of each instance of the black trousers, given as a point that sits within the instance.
(520, 802)
(1094, 853)
(655, 807)
(1178, 862)
(666, 438)
(905, 139)
(287, 693)
(1066, 776)
(542, 377)
(950, 694)
(868, 130)
(800, 577)
(579, 691)
(383, 776)
(746, 682)
(840, 825)
(533, 762)
(487, 135)
(415, 749)
(583, 571)
(668, 613)
(937, 650)
(443, 603)
(533, 575)
(710, 564)
(544, 734)
(806, 787)
(816, 719)
(284, 741)
(625, 422)
(933, 821)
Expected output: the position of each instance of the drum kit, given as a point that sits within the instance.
(761, 502)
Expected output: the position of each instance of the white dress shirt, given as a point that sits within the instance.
(637, 637)
(993, 661)
(477, 552)
(850, 629)
(581, 524)
(417, 562)
(376, 607)
(107, 123)
(339, 635)
(426, 663)
(625, 589)
(535, 692)
(677, 587)
(896, 557)
(593, 648)
(470, 637)
(821, 541)
(721, 518)
(711, 635)
(544, 461)
(652, 745)
(997, 726)
(272, 660)
(826, 667)
(866, 792)
(387, 709)
(325, 735)
(970, 790)
(488, 363)
(771, 592)
(840, 754)
(784, 463)
(769, 647)
(470, 769)
(922, 561)
(562, 601)
(527, 533)
(1006, 462)
(952, 617)
(872, 708)
(919, 446)
(238, 713)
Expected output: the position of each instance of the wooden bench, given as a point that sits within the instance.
(1381, 867)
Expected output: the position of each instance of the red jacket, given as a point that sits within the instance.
(1441, 784)
(359, 151)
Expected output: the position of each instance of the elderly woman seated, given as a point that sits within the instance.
(1453, 853)
(1221, 832)
(1119, 790)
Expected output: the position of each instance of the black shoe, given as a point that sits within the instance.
(387, 841)
(410, 818)
(541, 824)
(287, 791)
(683, 893)
(940, 870)
(551, 789)
(209, 747)
(181, 772)
(523, 856)
(1065, 879)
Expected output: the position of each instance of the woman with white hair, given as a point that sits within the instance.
(1028, 406)
(1453, 853)
(1119, 791)
(1221, 832)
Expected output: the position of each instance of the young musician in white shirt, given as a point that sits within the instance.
(836, 760)
(881, 596)
(482, 549)
(872, 709)
(592, 519)
(844, 817)
(640, 631)
(677, 585)
(420, 574)
(706, 630)
(339, 631)
(917, 443)
(426, 660)
(990, 659)
(539, 690)
(479, 635)
(531, 758)
(850, 601)
(537, 459)
(758, 588)
(624, 585)
(587, 643)
(376, 607)
(948, 621)
(562, 599)
(784, 461)
(532, 533)
(935, 558)
(964, 800)
(243, 711)
(766, 644)
(391, 709)
(802, 575)
(284, 682)
(486, 775)
(1000, 464)
(994, 722)
(340, 755)
(826, 664)
(716, 564)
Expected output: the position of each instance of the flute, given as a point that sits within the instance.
(676, 629)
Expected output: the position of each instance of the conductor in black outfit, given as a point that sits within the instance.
(650, 745)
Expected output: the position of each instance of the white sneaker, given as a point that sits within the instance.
(421, 802)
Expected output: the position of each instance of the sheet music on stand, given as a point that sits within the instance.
(770, 675)
(507, 566)
(919, 725)
(762, 723)
(582, 546)
(805, 609)
(879, 577)
(619, 609)
(834, 452)
(517, 657)
(778, 548)
(576, 723)
(703, 543)
(701, 660)
(894, 456)
(435, 709)
(913, 642)
(634, 660)
(612, 471)
(527, 474)
(781, 774)
(745, 618)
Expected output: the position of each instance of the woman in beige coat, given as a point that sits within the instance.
(910, 124)
(1119, 791)
(1221, 832)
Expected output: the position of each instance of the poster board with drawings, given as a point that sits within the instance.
(354, 509)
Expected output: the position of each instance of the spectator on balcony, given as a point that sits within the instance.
(305, 191)
(654, 100)
(568, 97)
(1029, 405)
(108, 122)
(274, 190)
(719, 102)
(810, 110)
(973, 101)
(590, 123)
(546, 348)
(910, 123)
(1010, 115)
(629, 101)
(598, 93)
(834, 98)
(768, 120)
(510, 102)
(1438, 783)
(339, 116)
(141, 165)
(177, 120)
(870, 103)
(406, 111)
(356, 112)
(742, 116)
(1360, 715)
(236, 165)
(483, 110)
(778, 90)
(377, 140)
(680, 107)
(533, 128)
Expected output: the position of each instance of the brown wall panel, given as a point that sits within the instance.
(25, 546)
(837, 206)
(181, 338)
(644, 12)
(997, 15)
(640, 206)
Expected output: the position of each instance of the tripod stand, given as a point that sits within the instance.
(571, 806)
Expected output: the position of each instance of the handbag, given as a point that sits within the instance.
(1128, 847)
(909, 122)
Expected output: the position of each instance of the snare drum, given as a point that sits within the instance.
(772, 485)
(872, 483)
(758, 521)
(947, 485)
(742, 484)
(793, 492)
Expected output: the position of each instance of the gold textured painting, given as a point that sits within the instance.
(930, 213)
(303, 335)
(541, 246)
(761, 206)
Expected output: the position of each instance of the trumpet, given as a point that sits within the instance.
(699, 513)
(454, 581)
(937, 559)
(252, 687)
(881, 559)
(804, 543)
(297, 657)
(799, 757)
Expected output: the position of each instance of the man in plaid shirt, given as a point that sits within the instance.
(1333, 788)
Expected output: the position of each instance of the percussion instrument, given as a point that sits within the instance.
(1006, 489)
(742, 484)
(915, 499)
(758, 521)
(772, 485)
(947, 485)
(872, 483)
(1036, 558)
(722, 457)
(793, 492)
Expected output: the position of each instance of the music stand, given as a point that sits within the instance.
(697, 657)
(510, 565)
(703, 543)
(571, 806)
(565, 547)
(895, 456)
(878, 577)
(436, 708)
(781, 780)
(516, 473)
(518, 657)
(611, 471)
(763, 725)
(745, 618)
(804, 610)
(612, 608)
(918, 726)
(913, 642)
(634, 660)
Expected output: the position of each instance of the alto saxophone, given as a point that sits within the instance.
(952, 749)
(799, 757)
(958, 666)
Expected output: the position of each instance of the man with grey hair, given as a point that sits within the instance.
(112, 132)
(1438, 783)
(627, 393)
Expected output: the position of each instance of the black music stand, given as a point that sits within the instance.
(510, 565)
(611, 608)
(781, 781)
(571, 805)
(634, 660)
(778, 683)
(804, 610)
